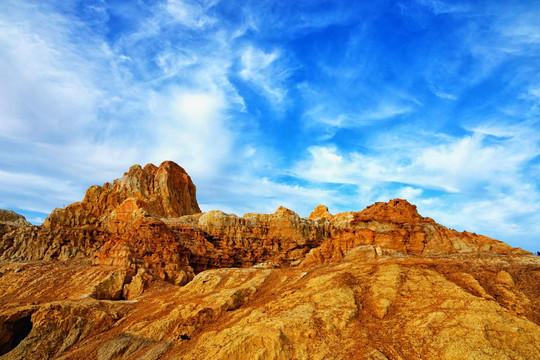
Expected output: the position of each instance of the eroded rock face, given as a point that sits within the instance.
(35, 243)
(395, 225)
(135, 271)
(10, 220)
(9, 217)
(150, 245)
(282, 237)
(164, 191)
(456, 307)
(104, 220)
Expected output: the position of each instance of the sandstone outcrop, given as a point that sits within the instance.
(469, 306)
(135, 271)
(34, 243)
(164, 191)
(149, 245)
(282, 237)
(103, 219)
(395, 225)
(9, 217)
(10, 220)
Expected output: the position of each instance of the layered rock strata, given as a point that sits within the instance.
(10, 220)
(460, 307)
(135, 271)
(396, 225)
(164, 191)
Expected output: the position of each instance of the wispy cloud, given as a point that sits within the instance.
(185, 123)
(191, 13)
(264, 71)
(457, 165)
(382, 111)
(445, 7)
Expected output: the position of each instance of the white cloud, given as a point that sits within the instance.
(465, 163)
(332, 107)
(444, 95)
(457, 165)
(251, 193)
(265, 71)
(191, 13)
(45, 83)
(508, 217)
(35, 192)
(520, 27)
(327, 165)
(381, 111)
(410, 193)
(173, 63)
(190, 127)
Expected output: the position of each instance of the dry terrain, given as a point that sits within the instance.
(136, 271)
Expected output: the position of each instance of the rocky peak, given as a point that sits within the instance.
(319, 212)
(8, 217)
(164, 191)
(10, 220)
(395, 211)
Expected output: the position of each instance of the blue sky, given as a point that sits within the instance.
(269, 103)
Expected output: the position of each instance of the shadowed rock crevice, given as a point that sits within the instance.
(13, 333)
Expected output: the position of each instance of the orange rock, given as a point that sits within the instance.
(34, 243)
(396, 225)
(436, 292)
(394, 211)
(164, 191)
(320, 212)
(456, 307)
(10, 220)
(150, 245)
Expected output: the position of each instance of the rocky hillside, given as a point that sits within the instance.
(9, 220)
(136, 271)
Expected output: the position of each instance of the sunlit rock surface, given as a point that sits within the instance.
(135, 271)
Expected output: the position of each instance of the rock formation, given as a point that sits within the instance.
(135, 271)
(8, 217)
(10, 220)
(164, 191)
(396, 225)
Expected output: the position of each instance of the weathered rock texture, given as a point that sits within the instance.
(164, 191)
(149, 245)
(10, 220)
(135, 271)
(372, 304)
(395, 225)
(33, 243)
(9, 217)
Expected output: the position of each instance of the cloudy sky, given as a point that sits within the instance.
(269, 103)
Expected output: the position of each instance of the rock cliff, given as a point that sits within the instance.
(164, 191)
(9, 220)
(136, 271)
(8, 217)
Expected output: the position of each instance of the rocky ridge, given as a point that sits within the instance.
(8, 217)
(136, 271)
(164, 191)
(10, 220)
